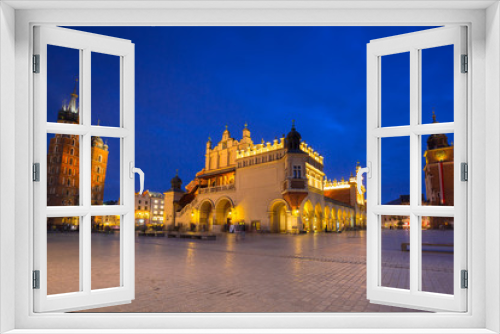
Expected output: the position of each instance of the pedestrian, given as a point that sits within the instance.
(242, 229)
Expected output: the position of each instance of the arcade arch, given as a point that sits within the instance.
(279, 222)
(308, 215)
(223, 211)
(206, 215)
(318, 218)
(327, 221)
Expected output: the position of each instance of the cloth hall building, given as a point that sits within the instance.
(274, 186)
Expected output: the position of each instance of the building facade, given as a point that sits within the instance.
(277, 186)
(439, 184)
(439, 180)
(63, 166)
(149, 209)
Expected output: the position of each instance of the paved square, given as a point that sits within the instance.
(322, 272)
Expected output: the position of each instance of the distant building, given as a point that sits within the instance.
(439, 184)
(157, 208)
(439, 180)
(149, 209)
(63, 166)
(274, 186)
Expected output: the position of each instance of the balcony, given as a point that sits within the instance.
(294, 184)
(216, 189)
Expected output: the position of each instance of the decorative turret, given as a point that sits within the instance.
(439, 140)
(226, 135)
(98, 142)
(246, 132)
(176, 182)
(209, 144)
(292, 141)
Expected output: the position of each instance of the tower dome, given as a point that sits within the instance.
(292, 140)
(97, 141)
(438, 140)
(176, 181)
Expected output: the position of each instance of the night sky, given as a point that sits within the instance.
(192, 81)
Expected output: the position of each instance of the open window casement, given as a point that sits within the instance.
(416, 294)
(77, 198)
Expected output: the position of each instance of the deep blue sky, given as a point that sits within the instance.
(192, 81)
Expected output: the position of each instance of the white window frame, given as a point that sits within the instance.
(85, 43)
(483, 20)
(414, 43)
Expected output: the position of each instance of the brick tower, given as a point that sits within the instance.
(63, 165)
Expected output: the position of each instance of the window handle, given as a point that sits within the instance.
(139, 171)
(359, 176)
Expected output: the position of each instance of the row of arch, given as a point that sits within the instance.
(313, 217)
(218, 213)
(331, 217)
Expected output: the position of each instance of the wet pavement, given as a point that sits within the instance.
(322, 272)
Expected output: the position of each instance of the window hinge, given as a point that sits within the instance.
(464, 171)
(36, 279)
(36, 172)
(36, 63)
(465, 279)
(465, 64)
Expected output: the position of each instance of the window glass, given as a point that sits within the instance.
(63, 166)
(63, 255)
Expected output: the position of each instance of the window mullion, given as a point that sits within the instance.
(414, 171)
(85, 168)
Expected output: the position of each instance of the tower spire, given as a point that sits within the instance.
(433, 116)
(72, 103)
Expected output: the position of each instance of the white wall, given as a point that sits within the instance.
(492, 163)
(7, 160)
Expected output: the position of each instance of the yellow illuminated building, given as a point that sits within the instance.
(274, 186)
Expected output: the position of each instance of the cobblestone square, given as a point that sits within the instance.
(321, 272)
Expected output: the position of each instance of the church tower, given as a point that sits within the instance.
(63, 164)
(439, 165)
(63, 160)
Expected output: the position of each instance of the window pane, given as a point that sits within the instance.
(395, 258)
(395, 171)
(63, 255)
(63, 170)
(63, 68)
(438, 169)
(105, 251)
(105, 171)
(437, 84)
(437, 254)
(105, 89)
(395, 89)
